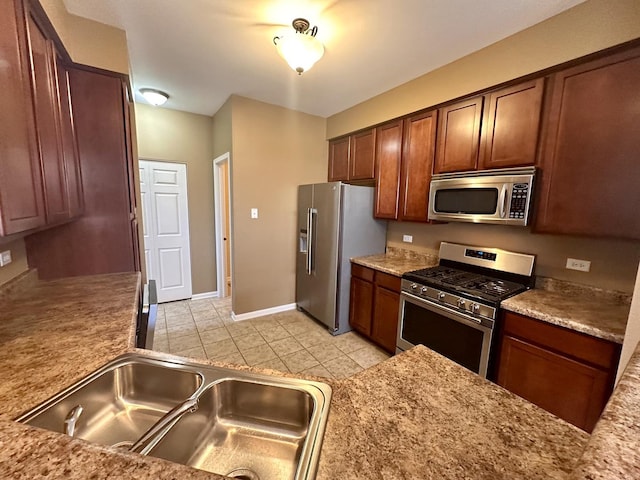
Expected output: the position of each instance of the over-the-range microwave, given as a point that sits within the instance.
(487, 196)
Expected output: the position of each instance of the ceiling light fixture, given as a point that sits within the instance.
(154, 97)
(300, 49)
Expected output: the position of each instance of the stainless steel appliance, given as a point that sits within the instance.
(453, 308)
(147, 314)
(335, 223)
(488, 196)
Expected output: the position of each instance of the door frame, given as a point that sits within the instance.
(221, 258)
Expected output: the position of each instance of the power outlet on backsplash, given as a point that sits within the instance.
(5, 258)
(580, 265)
(407, 238)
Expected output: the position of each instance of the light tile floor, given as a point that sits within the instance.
(288, 341)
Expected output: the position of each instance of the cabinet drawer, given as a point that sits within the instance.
(364, 273)
(388, 281)
(574, 344)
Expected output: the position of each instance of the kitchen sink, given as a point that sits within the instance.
(117, 404)
(242, 426)
(230, 422)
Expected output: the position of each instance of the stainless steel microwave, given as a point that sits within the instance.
(486, 196)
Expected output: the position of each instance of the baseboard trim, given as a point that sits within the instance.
(200, 296)
(260, 313)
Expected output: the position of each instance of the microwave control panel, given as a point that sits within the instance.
(519, 196)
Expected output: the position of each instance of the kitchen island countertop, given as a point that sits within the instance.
(416, 415)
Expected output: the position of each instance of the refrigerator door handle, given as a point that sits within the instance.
(311, 213)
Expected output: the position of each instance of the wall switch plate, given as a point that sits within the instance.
(5, 258)
(576, 264)
(407, 238)
(254, 213)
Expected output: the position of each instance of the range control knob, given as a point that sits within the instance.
(461, 303)
(423, 290)
(475, 308)
(441, 296)
(414, 286)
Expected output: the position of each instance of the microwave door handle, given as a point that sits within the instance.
(503, 201)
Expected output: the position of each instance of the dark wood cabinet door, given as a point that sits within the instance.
(360, 305)
(417, 163)
(590, 166)
(511, 124)
(388, 169)
(101, 240)
(459, 136)
(45, 102)
(362, 155)
(385, 318)
(21, 198)
(339, 160)
(69, 146)
(574, 391)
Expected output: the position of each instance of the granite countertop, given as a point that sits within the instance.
(417, 415)
(599, 313)
(397, 261)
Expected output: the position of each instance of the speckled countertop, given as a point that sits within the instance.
(596, 312)
(416, 415)
(397, 261)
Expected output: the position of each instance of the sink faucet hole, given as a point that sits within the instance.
(243, 474)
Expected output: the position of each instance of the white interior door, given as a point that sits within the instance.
(165, 223)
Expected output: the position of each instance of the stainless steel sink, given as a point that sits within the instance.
(241, 426)
(225, 421)
(118, 403)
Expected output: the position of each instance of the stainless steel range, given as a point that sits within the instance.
(453, 308)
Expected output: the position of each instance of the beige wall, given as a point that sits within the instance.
(222, 133)
(18, 257)
(89, 42)
(586, 28)
(613, 262)
(274, 151)
(180, 137)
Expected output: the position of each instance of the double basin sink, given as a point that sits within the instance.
(230, 422)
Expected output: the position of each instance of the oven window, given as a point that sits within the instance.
(456, 341)
(475, 201)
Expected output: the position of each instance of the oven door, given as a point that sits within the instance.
(452, 334)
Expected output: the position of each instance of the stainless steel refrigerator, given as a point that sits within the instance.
(335, 223)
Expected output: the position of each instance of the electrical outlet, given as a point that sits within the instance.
(254, 213)
(576, 264)
(5, 258)
(407, 238)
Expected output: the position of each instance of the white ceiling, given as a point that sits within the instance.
(202, 51)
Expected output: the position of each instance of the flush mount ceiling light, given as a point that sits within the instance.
(300, 49)
(154, 97)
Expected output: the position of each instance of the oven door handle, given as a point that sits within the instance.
(455, 315)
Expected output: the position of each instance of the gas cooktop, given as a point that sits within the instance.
(475, 285)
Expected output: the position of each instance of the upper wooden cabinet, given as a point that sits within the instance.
(48, 129)
(39, 175)
(497, 130)
(404, 160)
(69, 145)
(511, 125)
(590, 166)
(417, 163)
(338, 159)
(21, 198)
(459, 136)
(388, 169)
(352, 157)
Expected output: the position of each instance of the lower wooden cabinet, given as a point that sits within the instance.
(567, 373)
(374, 304)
